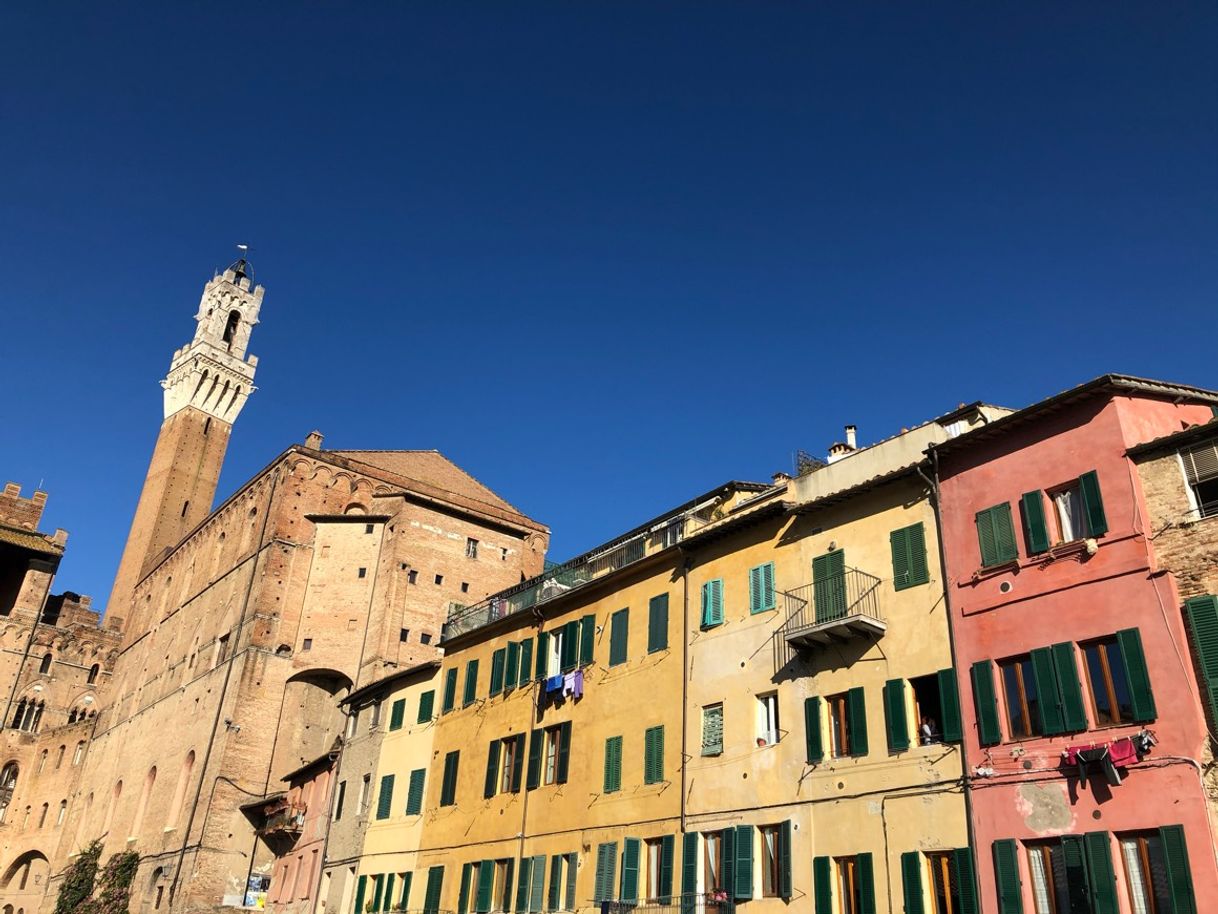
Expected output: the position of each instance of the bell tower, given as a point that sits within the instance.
(208, 382)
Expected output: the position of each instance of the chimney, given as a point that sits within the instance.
(781, 478)
(851, 441)
(313, 440)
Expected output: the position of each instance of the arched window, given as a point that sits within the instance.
(230, 329)
(42, 760)
(59, 757)
(19, 715)
(80, 825)
(63, 811)
(93, 671)
(114, 798)
(45, 666)
(80, 753)
(138, 823)
(8, 783)
(179, 793)
(37, 717)
(42, 818)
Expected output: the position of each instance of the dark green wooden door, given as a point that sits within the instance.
(829, 585)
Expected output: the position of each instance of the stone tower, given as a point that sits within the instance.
(208, 382)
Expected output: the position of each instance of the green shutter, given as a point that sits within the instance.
(486, 884)
(666, 854)
(1099, 869)
(630, 871)
(522, 887)
(492, 770)
(986, 703)
(570, 646)
(657, 623)
(533, 780)
(471, 683)
(909, 566)
(784, 859)
(526, 662)
(743, 869)
(414, 791)
(822, 885)
(727, 866)
(949, 706)
(1093, 504)
(572, 868)
(761, 588)
(712, 603)
(613, 764)
(388, 893)
(587, 639)
(1048, 696)
(911, 880)
(448, 786)
(895, 719)
(1140, 695)
(537, 883)
(378, 881)
(619, 634)
(427, 706)
(1078, 886)
(1035, 530)
(404, 901)
(517, 762)
(554, 892)
(384, 801)
(1006, 877)
(1074, 718)
(829, 585)
(397, 713)
(689, 871)
(435, 884)
(511, 666)
(1179, 876)
(467, 870)
(856, 711)
(450, 690)
(498, 659)
(812, 731)
(996, 535)
(543, 655)
(361, 887)
(653, 755)
(1203, 629)
(966, 880)
(564, 753)
(506, 895)
(865, 872)
(606, 871)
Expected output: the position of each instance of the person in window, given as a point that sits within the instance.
(928, 732)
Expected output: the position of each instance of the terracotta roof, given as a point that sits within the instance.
(26, 539)
(392, 679)
(430, 467)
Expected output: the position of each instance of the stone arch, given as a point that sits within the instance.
(26, 873)
(310, 716)
(355, 508)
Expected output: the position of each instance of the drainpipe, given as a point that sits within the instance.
(685, 565)
(933, 484)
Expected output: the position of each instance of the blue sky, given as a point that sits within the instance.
(603, 255)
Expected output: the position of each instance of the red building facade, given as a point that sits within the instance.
(1084, 731)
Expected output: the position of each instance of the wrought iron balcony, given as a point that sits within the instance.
(284, 820)
(836, 609)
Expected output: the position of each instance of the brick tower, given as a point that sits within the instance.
(208, 382)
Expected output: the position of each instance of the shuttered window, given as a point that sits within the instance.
(689, 872)
(526, 662)
(1202, 615)
(486, 884)
(541, 664)
(1006, 877)
(1119, 679)
(1179, 876)
(829, 596)
(909, 567)
(587, 639)
(397, 712)
(1035, 530)
(1093, 504)
(985, 703)
(569, 646)
(564, 752)
(492, 769)
(427, 706)
(1201, 474)
(414, 792)
(712, 730)
(606, 871)
(653, 755)
(554, 892)
(856, 706)
(619, 636)
(712, 603)
(657, 623)
(613, 764)
(435, 884)
(448, 786)
(896, 720)
(742, 868)
(812, 731)
(965, 881)
(996, 535)
(384, 801)
(761, 588)
(467, 872)
(471, 683)
(511, 666)
(537, 881)
(911, 883)
(361, 888)
(822, 885)
(522, 886)
(536, 742)
(450, 690)
(572, 868)
(949, 706)
(498, 661)
(631, 849)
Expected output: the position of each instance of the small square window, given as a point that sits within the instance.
(503, 553)
(363, 572)
(471, 548)
(465, 587)
(404, 636)
(307, 645)
(425, 638)
(367, 528)
(439, 579)
(412, 576)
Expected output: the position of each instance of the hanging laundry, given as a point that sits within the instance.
(577, 688)
(554, 684)
(1123, 752)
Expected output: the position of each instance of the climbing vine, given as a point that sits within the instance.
(77, 883)
(114, 884)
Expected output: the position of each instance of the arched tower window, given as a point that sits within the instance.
(45, 666)
(230, 329)
(8, 783)
(138, 824)
(114, 798)
(93, 671)
(59, 757)
(179, 794)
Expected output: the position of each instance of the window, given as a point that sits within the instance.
(619, 636)
(338, 800)
(352, 722)
(362, 572)
(1200, 465)
(996, 535)
(45, 666)
(851, 885)
(770, 856)
(471, 683)
(606, 872)
(653, 857)
(761, 588)
(944, 886)
(425, 638)
(909, 567)
(448, 787)
(42, 760)
(404, 635)
(657, 623)
(414, 791)
(367, 529)
(427, 703)
(613, 764)
(465, 587)
(847, 723)
(412, 576)
(712, 603)
(79, 754)
(507, 766)
(471, 548)
(221, 649)
(1146, 873)
(384, 800)
(1022, 701)
(653, 755)
(374, 719)
(1068, 513)
(59, 756)
(712, 729)
(63, 811)
(439, 579)
(397, 714)
(767, 719)
(450, 690)
(928, 709)
(712, 862)
(553, 749)
(1110, 698)
(93, 671)
(364, 786)
(307, 645)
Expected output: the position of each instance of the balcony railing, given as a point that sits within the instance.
(837, 608)
(677, 904)
(284, 820)
(576, 573)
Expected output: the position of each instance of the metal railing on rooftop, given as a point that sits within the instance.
(568, 576)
